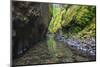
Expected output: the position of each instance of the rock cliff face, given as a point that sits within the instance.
(29, 25)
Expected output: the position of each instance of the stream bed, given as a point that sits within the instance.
(50, 51)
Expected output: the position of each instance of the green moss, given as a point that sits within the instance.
(73, 20)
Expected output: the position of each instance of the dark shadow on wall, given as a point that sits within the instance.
(29, 25)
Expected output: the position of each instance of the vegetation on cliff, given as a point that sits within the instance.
(73, 20)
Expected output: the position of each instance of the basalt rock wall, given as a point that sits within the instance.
(29, 25)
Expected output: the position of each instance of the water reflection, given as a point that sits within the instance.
(60, 52)
(52, 46)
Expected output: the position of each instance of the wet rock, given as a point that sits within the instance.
(68, 60)
(78, 58)
(84, 47)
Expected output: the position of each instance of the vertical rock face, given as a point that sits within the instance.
(45, 17)
(29, 25)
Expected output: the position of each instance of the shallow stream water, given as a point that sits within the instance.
(49, 51)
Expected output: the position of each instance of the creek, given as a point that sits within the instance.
(53, 50)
